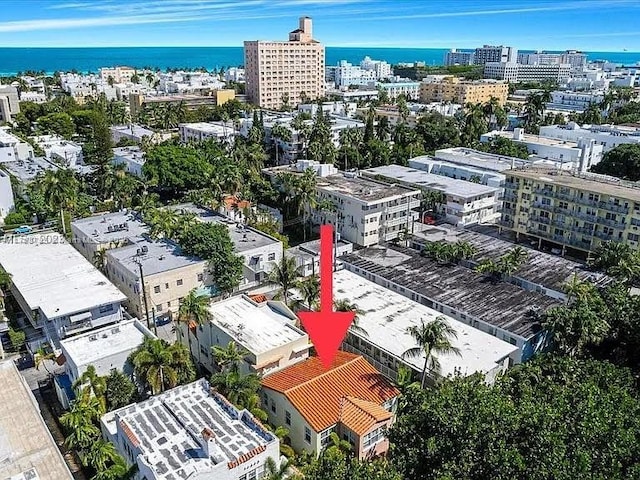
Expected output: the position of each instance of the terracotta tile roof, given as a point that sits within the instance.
(258, 298)
(129, 433)
(230, 202)
(246, 457)
(361, 416)
(318, 393)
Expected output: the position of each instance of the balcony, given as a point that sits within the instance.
(544, 191)
(586, 231)
(586, 201)
(565, 211)
(508, 210)
(611, 223)
(505, 223)
(564, 196)
(543, 206)
(586, 217)
(511, 185)
(578, 243)
(509, 196)
(603, 236)
(614, 208)
(539, 219)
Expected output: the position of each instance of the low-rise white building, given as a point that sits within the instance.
(609, 136)
(347, 74)
(106, 349)
(574, 101)
(517, 72)
(60, 151)
(12, 148)
(59, 291)
(131, 157)
(466, 202)
(266, 331)
(411, 90)
(307, 255)
(6, 195)
(190, 432)
(26, 171)
(581, 155)
(200, 131)
(135, 133)
(388, 316)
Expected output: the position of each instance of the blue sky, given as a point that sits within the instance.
(592, 25)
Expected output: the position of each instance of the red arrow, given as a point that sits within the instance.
(325, 327)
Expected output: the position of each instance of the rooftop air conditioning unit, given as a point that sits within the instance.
(145, 249)
(93, 338)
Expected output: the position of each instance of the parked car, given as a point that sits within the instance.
(23, 229)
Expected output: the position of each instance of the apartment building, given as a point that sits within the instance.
(347, 74)
(491, 53)
(190, 432)
(506, 71)
(207, 97)
(266, 331)
(501, 309)
(135, 133)
(580, 156)
(117, 74)
(516, 72)
(58, 290)
(456, 57)
(12, 148)
(6, 195)
(410, 90)
(609, 136)
(384, 336)
(105, 349)
(574, 101)
(454, 90)
(367, 211)
(201, 131)
(466, 202)
(9, 103)
(351, 399)
(307, 255)
(280, 73)
(380, 68)
(568, 210)
(131, 157)
(59, 150)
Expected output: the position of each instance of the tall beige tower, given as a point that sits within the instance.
(279, 73)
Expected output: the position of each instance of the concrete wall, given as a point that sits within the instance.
(6, 195)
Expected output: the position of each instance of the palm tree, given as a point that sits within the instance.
(100, 454)
(100, 259)
(228, 358)
(279, 133)
(307, 196)
(43, 354)
(518, 255)
(282, 433)
(273, 472)
(344, 305)
(81, 421)
(284, 274)
(309, 289)
(155, 365)
(90, 384)
(336, 444)
(432, 338)
(118, 470)
(240, 389)
(60, 189)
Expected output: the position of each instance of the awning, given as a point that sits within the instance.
(80, 317)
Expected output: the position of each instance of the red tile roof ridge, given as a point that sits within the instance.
(330, 371)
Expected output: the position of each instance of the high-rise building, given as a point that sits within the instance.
(278, 72)
(9, 105)
(490, 53)
(454, 57)
(576, 59)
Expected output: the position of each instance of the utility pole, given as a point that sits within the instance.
(144, 293)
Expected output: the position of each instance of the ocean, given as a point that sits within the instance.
(13, 60)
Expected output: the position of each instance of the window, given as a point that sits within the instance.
(307, 435)
(179, 282)
(156, 289)
(373, 437)
(632, 237)
(159, 307)
(287, 417)
(200, 277)
(271, 257)
(273, 406)
(324, 437)
(166, 286)
(106, 308)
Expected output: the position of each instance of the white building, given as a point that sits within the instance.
(466, 202)
(380, 68)
(491, 53)
(307, 255)
(581, 155)
(134, 133)
(516, 72)
(234, 74)
(609, 136)
(190, 432)
(200, 131)
(131, 157)
(388, 315)
(117, 74)
(507, 71)
(9, 104)
(59, 291)
(60, 151)
(106, 349)
(34, 97)
(455, 57)
(29, 451)
(347, 74)
(411, 90)
(28, 170)
(6, 195)
(366, 211)
(339, 109)
(13, 148)
(266, 331)
(574, 101)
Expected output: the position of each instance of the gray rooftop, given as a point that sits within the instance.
(476, 158)
(106, 228)
(27, 450)
(244, 238)
(430, 181)
(133, 130)
(364, 189)
(550, 271)
(28, 170)
(133, 154)
(169, 428)
(160, 256)
(502, 305)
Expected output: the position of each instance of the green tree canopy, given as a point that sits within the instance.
(176, 169)
(57, 124)
(622, 161)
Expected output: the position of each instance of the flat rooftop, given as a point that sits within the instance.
(244, 238)
(87, 348)
(550, 271)
(206, 127)
(535, 139)
(28, 170)
(387, 316)
(7, 139)
(160, 256)
(502, 305)
(133, 130)
(582, 181)
(168, 431)
(132, 154)
(476, 158)
(259, 327)
(27, 450)
(364, 189)
(106, 228)
(52, 275)
(422, 179)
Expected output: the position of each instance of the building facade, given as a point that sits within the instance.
(6, 195)
(455, 57)
(609, 136)
(453, 90)
(410, 90)
(280, 73)
(571, 210)
(491, 53)
(9, 104)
